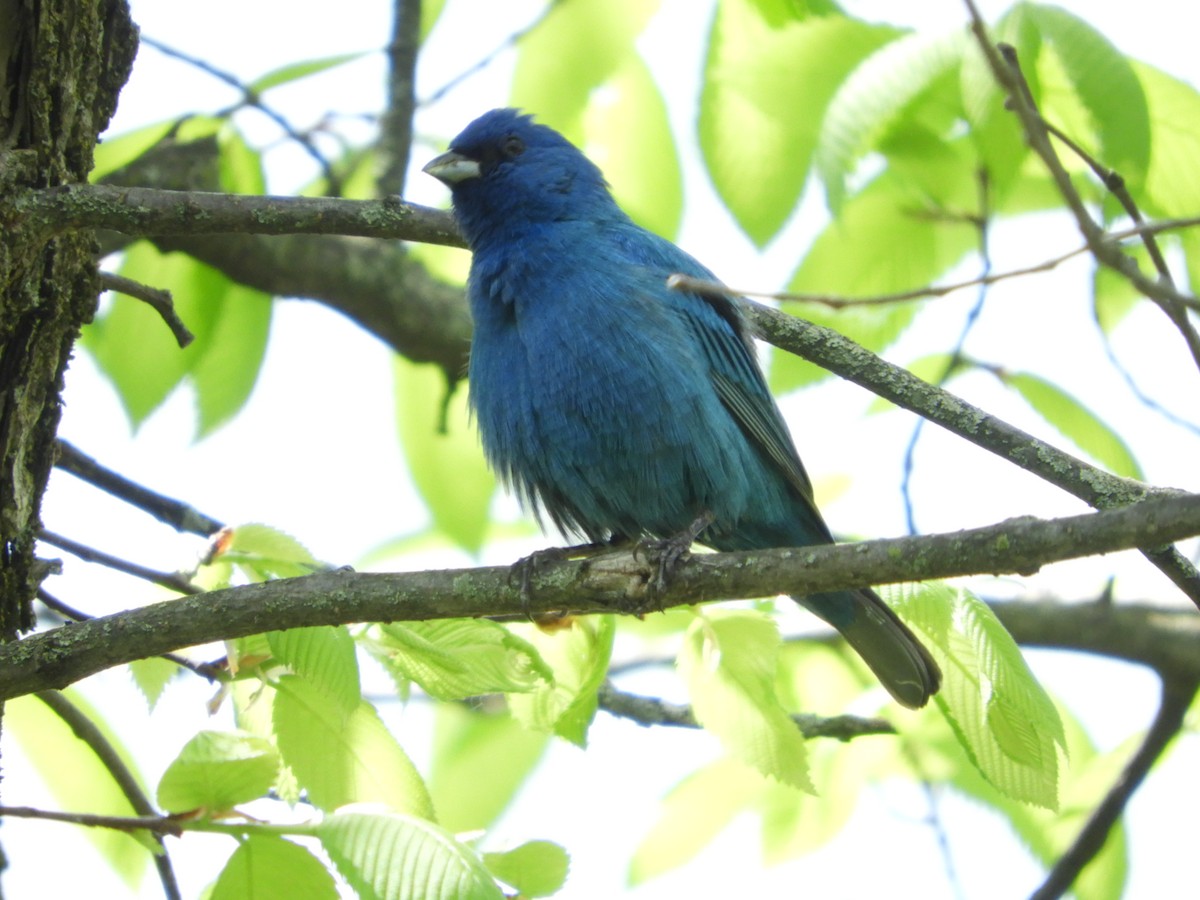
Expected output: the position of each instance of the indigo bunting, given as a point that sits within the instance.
(619, 408)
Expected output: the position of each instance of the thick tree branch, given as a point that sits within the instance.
(1096, 487)
(603, 584)
(143, 212)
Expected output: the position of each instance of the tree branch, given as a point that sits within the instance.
(1096, 487)
(394, 145)
(142, 212)
(654, 711)
(604, 584)
(1002, 60)
(85, 729)
(1176, 699)
(175, 513)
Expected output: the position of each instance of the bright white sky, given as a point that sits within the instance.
(315, 453)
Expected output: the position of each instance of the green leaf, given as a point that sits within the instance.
(113, 153)
(767, 82)
(225, 373)
(1173, 181)
(343, 758)
(141, 358)
(1046, 834)
(398, 857)
(728, 662)
(576, 48)
(152, 676)
(456, 658)
(431, 11)
(644, 174)
(1000, 714)
(323, 656)
(1172, 185)
(442, 450)
(877, 95)
(240, 164)
(692, 814)
(217, 770)
(1074, 421)
(465, 743)
(298, 70)
(578, 651)
(881, 243)
(1113, 296)
(536, 868)
(1104, 81)
(264, 553)
(995, 132)
(266, 867)
(76, 779)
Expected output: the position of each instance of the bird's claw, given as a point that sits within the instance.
(526, 568)
(665, 554)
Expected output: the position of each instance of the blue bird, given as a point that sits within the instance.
(619, 408)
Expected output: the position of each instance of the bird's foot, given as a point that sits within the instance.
(666, 554)
(525, 568)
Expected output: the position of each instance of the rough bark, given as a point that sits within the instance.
(62, 65)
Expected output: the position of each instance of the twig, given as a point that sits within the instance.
(682, 282)
(1003, 63)
(394, 143)
(603, 584)
(70, 613)
(955, 359)
(158, 825)
(1136, 389)
(488, 58)
(90, 554)
(253, 100)
(158, 300)
(85, 729)
(1176, 699)
(1113, 181)
(175, 513)
(1164, 293)
(655, 711)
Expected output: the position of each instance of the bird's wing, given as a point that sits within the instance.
(725, 339)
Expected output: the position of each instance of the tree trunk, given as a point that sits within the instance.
(62, 65)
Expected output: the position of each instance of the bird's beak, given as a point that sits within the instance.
(450, 168)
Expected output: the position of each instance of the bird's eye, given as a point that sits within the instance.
(513, 146)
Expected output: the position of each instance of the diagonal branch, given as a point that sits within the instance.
(1096, 487)
(85, 729)
(1002, 61)
(175, 513)
(603, 584)
(1176, 699)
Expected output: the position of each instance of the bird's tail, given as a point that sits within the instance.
(887, 646)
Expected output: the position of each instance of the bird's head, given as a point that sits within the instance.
(506, 173)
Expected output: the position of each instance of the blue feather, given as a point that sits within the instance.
(615, 406)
